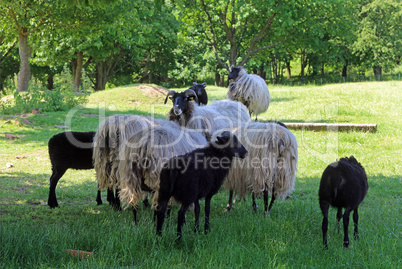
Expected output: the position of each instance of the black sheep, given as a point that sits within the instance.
(201, 92)
(343, 185)
(196, 175)
(70, 150)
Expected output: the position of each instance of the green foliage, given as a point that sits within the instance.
(61, 98)
(379, 42)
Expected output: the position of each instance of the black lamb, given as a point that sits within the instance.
(196, 175)
(70, 150)
(343, 185)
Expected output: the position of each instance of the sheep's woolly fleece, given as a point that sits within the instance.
(250, 90)
(149, 150)
(272, 160)
(111, 137)
(222, 115)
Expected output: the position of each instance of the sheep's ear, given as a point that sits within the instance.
(204, 84)
(223, 138)
(195, 83)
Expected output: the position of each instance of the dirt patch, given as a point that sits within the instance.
(153, 91)
(91, 115)
(135, 102)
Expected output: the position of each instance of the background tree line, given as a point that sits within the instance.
(174, 43)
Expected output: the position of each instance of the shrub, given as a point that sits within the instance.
(61, 98)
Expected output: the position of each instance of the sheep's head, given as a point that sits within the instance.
(180, 100)
(229, 141)
(198, 88)
(235, 72)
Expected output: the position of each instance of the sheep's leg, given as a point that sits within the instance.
(56, 175)
(160, 217)
(324, 209)
(145, 201)
(356, 222)
(346, 226)
(181, 220)
(272, 200)
(255, 206)
(135, 215)
(110, 196)
(230, 203)
(207, 212)
(98, 198)
(197, 215)
(116, 203)
(338, 218)
(265, 194)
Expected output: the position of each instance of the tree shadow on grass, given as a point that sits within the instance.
(44, 126)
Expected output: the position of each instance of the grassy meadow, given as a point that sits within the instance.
(35, 236)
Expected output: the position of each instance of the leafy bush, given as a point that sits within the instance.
(42, 99)
(61, 98)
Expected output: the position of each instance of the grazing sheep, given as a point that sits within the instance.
(146, 151)
(196, 175)
(249, 89)
(217, 116)
(343, 185)
(199, 89)
(69, 150)
(270, 166)
(110, 140)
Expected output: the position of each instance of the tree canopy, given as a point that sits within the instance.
(183, 40)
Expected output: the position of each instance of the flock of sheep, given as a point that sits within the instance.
(200, 148)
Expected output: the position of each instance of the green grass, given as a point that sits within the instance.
(34, 236)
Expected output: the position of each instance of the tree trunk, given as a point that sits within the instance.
(25, 71)
(222, 81)
(217, 78)
(50, 81)
(77, 71)
(101, 75)
(303, 63)
(345, 70)
(322, 70)
(288, 71)
(260, 71)
(377, 72)
(274, 72)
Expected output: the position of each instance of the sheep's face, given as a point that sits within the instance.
(180, 103)
(234, 72)
(199, 88)
(232, 144)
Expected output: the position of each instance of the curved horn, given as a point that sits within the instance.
(170, 93)
(195, 83)
(191, 93)
(204, 84)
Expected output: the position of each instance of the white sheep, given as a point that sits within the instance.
(216, 117)
(270, 166)
(249, 89)
(109, 141)
(145, 153)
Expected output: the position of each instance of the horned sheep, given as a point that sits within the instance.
(218, 116)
